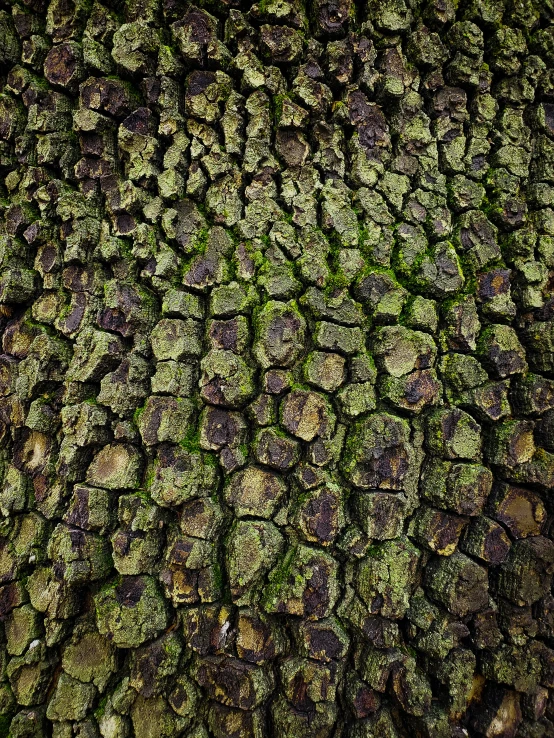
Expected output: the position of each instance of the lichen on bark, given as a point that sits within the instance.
(276, 368)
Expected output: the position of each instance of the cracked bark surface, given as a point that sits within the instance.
(277, 369)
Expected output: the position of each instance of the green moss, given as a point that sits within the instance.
(294, 385)
(277, 99)
(5, 722)
(100, 710)
(210, 460)
(281, 573)
(487, 206)
(191, 441)
(137, 414)
(301, 498)
(337, 280)
(202, 239)
(112, 584)
(218, 575)
(373, 551)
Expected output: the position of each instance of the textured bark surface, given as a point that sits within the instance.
(277, 369)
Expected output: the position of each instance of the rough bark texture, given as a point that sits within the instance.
(277, 371)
